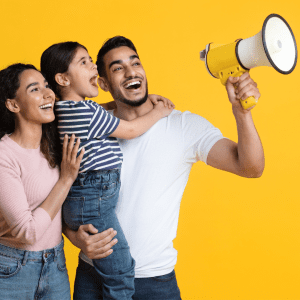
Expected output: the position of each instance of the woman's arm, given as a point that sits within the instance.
(69, 170)
(25, 225)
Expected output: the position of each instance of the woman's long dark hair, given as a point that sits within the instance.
(9, 84)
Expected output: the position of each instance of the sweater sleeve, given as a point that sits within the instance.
(26, 225)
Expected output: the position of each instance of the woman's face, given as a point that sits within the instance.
(34, 99)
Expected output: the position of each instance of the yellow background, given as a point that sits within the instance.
(237, 238)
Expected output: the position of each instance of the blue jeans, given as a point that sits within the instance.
(29, 275)
(92, 200)
(88, 285)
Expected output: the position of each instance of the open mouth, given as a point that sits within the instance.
(133, 85)
(93, 81)
(46, 106)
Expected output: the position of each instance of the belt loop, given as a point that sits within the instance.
(25, 258)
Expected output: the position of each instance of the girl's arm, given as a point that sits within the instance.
(109, 105)
(132, 129)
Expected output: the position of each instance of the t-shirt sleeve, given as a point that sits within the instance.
(199, 136)
(25, 225)
(102, 124)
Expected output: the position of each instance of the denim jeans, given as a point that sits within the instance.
(29, 275)
(88, 285)
(92, 200)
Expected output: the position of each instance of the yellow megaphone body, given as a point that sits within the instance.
(274, 46)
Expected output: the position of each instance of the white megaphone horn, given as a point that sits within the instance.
(274, 46)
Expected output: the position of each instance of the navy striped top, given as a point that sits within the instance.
(92, 124)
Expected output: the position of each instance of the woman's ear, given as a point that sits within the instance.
(62, 79)
(12, 105)
(103, 84)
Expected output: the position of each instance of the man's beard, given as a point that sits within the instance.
(133, 103)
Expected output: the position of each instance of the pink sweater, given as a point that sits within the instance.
(26, 180)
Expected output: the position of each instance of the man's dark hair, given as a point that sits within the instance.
(110, 44)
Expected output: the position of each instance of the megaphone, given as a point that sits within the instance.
(274, 46)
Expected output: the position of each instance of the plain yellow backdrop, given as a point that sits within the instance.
(237, 238)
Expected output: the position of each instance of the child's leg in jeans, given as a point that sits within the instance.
(92, 200)
(117, 269)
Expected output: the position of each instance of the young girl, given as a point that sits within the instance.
(92, 199)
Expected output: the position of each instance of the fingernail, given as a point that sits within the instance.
(115, 232)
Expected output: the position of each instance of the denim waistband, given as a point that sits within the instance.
(25, 255)
(97, 176)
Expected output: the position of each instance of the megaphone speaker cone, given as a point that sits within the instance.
(274, 46)
(279, 44)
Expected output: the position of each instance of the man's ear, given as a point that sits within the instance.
(12, 105)
(62, 79)
(103, 84)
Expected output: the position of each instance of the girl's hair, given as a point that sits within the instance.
(56, 59)
(9, 84)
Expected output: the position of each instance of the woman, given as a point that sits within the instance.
(32, 190)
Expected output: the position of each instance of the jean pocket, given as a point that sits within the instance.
(109, 189)
(9, 266)
(72, 211)
(164, 278)
(61, 261)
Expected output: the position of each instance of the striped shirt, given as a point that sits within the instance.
(92, 124)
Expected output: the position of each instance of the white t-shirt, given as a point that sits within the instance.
(154, 174)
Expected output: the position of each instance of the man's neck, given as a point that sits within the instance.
(128, 113)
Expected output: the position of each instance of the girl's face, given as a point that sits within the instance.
(34, 99)
(82, 77)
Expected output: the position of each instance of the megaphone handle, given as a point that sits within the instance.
(237, 71)
(249, 102)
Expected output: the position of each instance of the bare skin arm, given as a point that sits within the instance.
(245, 158)
(132, 129)
(95, 246)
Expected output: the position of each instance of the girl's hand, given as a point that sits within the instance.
(155, 98)
(163, 109)
(70, 163)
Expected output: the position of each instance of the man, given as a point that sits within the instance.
(156, 168)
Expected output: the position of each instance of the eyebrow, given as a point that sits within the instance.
(120, 61)
(33, 84)
(83, 57)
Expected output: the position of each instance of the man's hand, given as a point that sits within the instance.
(240, 88)
(95, 246)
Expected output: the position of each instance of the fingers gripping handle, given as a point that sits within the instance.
(237, 71)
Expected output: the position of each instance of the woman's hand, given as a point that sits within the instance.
(167, 103)
(70, 163)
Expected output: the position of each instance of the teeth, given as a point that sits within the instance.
(46, 105)
(132, 83)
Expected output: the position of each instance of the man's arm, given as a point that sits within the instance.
(94, 246)
(245, 158)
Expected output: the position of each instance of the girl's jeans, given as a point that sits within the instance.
(92, 200)
(29, 275)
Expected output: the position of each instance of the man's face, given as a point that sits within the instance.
(125, 76)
